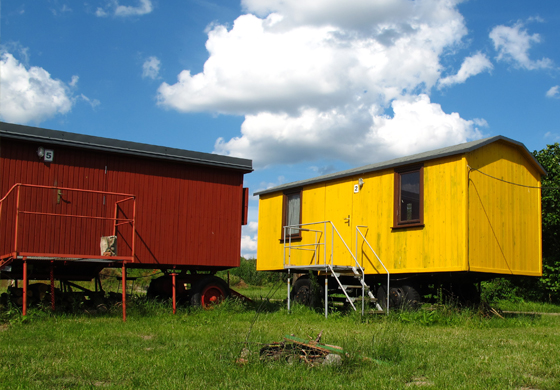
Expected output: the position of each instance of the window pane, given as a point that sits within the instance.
(294, 205)
(410, 196)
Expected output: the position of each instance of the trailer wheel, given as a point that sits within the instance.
(162, 288)
(401, 297)
(411, 298)
(305, 293)
(209, 291)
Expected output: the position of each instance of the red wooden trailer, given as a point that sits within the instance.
(74, 204)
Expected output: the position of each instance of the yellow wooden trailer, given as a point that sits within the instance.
(449, 217)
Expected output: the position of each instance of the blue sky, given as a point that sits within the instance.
(302, 88)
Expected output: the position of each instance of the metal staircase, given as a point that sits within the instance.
(363, 286)
(329, 266)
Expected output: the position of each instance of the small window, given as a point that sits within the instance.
(409, 197)
(291, 214)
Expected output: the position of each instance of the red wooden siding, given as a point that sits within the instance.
(186, 214)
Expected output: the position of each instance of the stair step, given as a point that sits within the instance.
(346, 286)
(353, 299)
(343, 299)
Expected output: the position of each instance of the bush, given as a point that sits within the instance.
(247, 271)
(548, 287)
(501, 289)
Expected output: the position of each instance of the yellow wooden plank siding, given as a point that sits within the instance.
(440, 245)
(436, 247)
(504, 219)
(269, 251)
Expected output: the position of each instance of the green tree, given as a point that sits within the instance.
(549, 285)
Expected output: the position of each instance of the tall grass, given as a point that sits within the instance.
(197, 349)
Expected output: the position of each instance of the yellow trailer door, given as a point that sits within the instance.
(338, 209)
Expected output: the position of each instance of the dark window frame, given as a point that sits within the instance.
(398, 222)
(294, 236)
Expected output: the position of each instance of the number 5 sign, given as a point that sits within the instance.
(49, 155)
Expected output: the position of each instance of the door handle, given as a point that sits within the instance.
(347, 220)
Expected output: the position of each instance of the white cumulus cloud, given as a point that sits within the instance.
(553, 92)
(113, 7)
(249, 240)
(31, 94)
(74, 81)
(382, 18)
(358, 137)
(334, 79)
(471, 67)
(150, 68)
(513, 45)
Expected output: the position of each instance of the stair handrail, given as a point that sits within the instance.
(358, 266)
(132, 221)
(348, 249)
(300, 227)
(288, 240)
(378, 259)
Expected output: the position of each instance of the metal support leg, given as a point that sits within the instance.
(25, 282)
(123, 291)
(363, 296)
(289, 280)
(173, 277)
(52, 286)
(326, 295)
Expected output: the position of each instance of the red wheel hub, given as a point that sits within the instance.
(212, 295)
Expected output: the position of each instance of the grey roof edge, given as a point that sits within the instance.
(63, 138)
(407, 160)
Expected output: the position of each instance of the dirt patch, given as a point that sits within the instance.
(421, 381)
(241, 284)
(146, 337)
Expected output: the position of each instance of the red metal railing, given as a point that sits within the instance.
(23, 230)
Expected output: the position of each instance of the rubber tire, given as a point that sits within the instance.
(209, 291)
(412, 299)
(304, 293)
(401, 297)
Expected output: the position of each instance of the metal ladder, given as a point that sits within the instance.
(360, 277)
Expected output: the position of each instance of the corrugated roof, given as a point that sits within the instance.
(408, 160)
(56, 137)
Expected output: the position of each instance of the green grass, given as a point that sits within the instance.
(524, 306)
(196, 349)
(276, 291)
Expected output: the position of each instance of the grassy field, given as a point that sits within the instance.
(441, 348)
